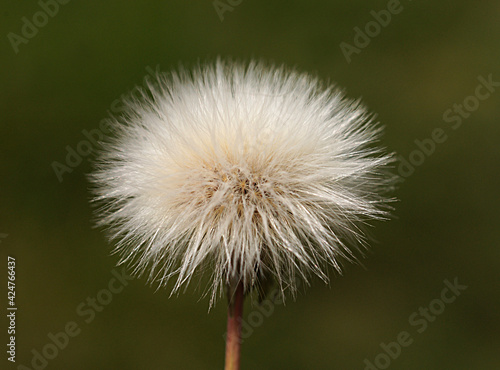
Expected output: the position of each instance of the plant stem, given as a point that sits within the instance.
(236, 298)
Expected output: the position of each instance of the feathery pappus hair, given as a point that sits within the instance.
(244, 170)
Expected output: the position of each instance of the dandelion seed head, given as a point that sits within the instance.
(241, 170)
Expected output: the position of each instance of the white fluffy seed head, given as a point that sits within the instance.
(247, 170)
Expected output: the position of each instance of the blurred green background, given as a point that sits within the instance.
(427, 58)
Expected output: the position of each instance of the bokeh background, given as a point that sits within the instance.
(79, 64)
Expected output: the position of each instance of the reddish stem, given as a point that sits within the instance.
(233, 338)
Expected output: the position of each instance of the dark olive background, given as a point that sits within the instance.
(429, 57)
